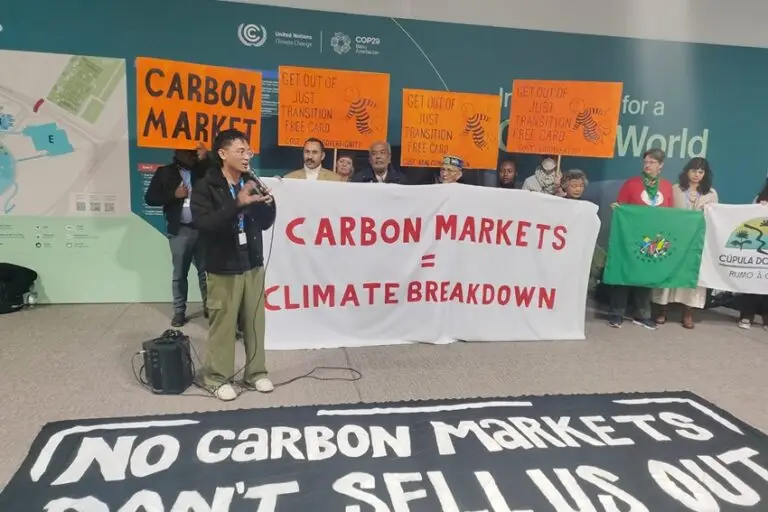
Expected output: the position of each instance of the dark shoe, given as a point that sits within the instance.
(179, 319)
(615, 321)
(646, 322)
(206, 314)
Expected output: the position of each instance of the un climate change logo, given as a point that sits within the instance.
(252, 35)
(341, 43)
(746, 250)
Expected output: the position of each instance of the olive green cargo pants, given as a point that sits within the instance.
(235, 299)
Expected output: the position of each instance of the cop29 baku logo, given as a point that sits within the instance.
(252, 35)
(341, 43)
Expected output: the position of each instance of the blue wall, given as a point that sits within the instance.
(694, 88)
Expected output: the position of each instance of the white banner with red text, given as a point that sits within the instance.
(355, 264)
(735, 256)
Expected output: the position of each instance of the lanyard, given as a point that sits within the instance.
(241, 215)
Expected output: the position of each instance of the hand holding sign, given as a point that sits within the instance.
(202, 152)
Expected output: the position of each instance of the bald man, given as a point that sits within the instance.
(380, 168)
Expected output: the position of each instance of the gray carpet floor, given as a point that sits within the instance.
(73, 362)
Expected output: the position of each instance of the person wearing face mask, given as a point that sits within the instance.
(546, 178)
(313, 154)
(692, 192)
(648, 189)
(451, 170)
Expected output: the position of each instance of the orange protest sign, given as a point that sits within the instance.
(344, 109)
(440, 123)
(181, 104)
(550, 117)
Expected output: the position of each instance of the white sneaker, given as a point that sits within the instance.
(226, 393)
(744, 324)
(264, 385)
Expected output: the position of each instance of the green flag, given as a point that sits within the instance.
(655, 247)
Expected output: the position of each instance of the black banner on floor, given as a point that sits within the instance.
(634, 452)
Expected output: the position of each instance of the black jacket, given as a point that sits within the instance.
(366, 175)
(215, 214)
(162, 190)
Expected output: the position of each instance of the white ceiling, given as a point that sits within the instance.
(730, 22)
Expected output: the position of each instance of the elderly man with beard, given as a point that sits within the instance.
(380, 170)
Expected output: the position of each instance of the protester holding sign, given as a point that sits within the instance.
(170, 188)
(693, 191)
(648, 189)
(546, 178)
(231, 210)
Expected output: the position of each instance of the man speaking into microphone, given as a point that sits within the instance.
(231, 209)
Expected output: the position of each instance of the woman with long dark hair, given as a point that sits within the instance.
(753, 305)
(693, 191)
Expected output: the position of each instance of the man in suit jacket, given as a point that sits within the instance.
(314, 154)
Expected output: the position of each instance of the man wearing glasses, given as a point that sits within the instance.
(230, 209)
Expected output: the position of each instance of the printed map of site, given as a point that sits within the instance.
(63, 122)
(86, 84)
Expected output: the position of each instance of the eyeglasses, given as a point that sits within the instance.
(244, 153)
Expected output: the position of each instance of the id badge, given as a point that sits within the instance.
(242, 239)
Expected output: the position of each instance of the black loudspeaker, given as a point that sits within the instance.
(168, 363)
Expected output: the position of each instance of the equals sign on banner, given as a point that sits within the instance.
(428, 261)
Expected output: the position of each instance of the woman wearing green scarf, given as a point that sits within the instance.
(648, 189)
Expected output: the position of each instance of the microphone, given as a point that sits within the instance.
(260, 185)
